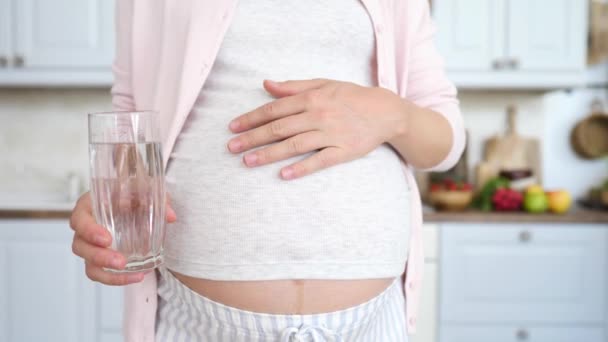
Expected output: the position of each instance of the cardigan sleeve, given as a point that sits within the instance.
(122, 91)
(428, 85)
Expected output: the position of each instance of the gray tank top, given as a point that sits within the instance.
(350, 221)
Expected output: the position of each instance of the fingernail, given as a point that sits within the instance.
(234, 125)
(234, 146)
(116, 263)
(275, 83)
(287, 173)
(251, 159)
(171, 212)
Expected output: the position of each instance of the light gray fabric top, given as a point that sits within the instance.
(350, 221)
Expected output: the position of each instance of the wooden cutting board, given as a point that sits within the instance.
(598, 33)
(509, 151)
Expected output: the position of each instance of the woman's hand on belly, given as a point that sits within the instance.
(342, 120)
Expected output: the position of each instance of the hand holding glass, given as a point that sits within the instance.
(127, 185)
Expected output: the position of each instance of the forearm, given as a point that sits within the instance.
(426, 136)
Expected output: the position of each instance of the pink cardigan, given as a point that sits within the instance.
(165, 50)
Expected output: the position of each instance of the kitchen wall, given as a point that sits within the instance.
(43, 134)
(43, 137)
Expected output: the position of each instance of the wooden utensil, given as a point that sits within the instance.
(589, 137)
(598, 33)
(509, 151)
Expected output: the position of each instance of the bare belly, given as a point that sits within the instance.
(306, 296)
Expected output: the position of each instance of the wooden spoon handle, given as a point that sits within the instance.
(511, 115)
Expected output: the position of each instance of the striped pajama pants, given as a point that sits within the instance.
(184, 315)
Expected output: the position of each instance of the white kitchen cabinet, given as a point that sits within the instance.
(64, 33)
(534, 277)
(535, 273)
(514, 43)
(44, 293)
(60, 42)
(470, 33)
(547, 35)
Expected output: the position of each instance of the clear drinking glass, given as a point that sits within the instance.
(127, 184)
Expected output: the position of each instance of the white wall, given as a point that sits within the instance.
(563, 168)
(43, 137)
(43, 134)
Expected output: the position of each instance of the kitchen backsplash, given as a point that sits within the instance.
(43, 134)
(43, 137)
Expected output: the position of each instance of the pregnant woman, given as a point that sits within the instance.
(290, 133)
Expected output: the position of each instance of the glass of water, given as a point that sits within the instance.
(127, 184)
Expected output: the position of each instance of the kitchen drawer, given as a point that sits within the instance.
(532, 273)
(520, 333)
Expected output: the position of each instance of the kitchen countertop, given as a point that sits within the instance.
(574, 216)
(34, 214)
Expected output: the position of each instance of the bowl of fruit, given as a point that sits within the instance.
(448, 195)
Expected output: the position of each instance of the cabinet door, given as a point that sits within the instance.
(524, 273)
(547, 35)
(67, 34)
(44, 293)
(470, 33)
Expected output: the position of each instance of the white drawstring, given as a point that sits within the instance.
(293, 334)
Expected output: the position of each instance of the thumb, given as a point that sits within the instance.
(289, 88)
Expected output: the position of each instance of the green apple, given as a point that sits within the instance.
(536, 202)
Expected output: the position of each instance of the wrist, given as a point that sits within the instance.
(401, 125)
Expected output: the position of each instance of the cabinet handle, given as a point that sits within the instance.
(19, 61)
(498, 64)
(525, 236)
(3, 62)
(513, 63)
(522, 334)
